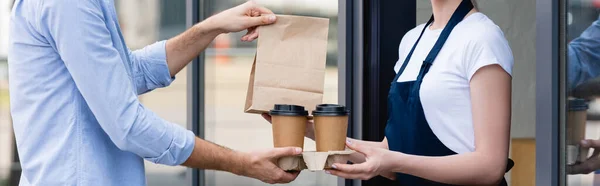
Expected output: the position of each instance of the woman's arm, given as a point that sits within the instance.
(491, 103)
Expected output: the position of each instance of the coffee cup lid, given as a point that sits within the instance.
(288, 110)
(330, 110)
(577, 104)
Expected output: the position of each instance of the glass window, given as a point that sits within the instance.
(143, 23)
(582, 69)
(517, 21)
(227, 70)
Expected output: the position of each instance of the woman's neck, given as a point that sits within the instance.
(443, 10)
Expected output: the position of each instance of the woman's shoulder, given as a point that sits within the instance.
(485, 44)
(414, 33)
(411, 36)
(480, 29)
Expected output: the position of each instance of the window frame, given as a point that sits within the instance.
(550, 91)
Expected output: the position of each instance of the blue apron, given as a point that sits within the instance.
(407, 130)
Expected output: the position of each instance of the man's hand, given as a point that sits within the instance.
(186, 46)
(245, 16)
(310, 127)
(262, 165)
(592, 163)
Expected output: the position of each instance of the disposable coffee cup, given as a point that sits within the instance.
(289, 125)
(576, 123)
(331, 125)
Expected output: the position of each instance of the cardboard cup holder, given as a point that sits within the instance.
(314, 161)
(331, 125)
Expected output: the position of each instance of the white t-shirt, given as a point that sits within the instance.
(445, 92)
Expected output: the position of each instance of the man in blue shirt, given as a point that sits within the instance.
(583, 65)
(74, 87)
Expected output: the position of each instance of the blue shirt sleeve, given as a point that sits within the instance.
(149, 65)
(77, 30)
(583, 57)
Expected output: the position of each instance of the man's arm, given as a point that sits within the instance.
(185, 47)
(156, 64)
(150, 67)
(259, 164)
(583, 57)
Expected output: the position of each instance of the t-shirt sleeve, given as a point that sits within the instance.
(489, 48)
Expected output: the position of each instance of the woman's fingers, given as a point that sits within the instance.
(267, 117)
(345, 175)
(358, 147)
(353, 168)
(389, 175)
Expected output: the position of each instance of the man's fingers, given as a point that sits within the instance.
(254, 6)
(263, 10)
(264, 19)
(253, 36)
(590, 143)
(287, 177)
(595, 154)
(586, 167)
(577, 169)
(267, 117)
(285, 151)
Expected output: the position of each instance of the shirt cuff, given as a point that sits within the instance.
(179, 150)
(156, 54)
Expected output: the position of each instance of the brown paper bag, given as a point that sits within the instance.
(289, 66)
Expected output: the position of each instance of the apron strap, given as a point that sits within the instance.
(463, 9)
(407, 59)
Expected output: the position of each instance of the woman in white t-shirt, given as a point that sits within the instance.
(449, 105)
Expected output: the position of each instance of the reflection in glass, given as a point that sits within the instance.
(583, 91)
(227, 69)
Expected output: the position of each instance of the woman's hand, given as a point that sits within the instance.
(310, 126)
(376, 154)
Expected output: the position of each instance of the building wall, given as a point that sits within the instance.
(139, 20)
